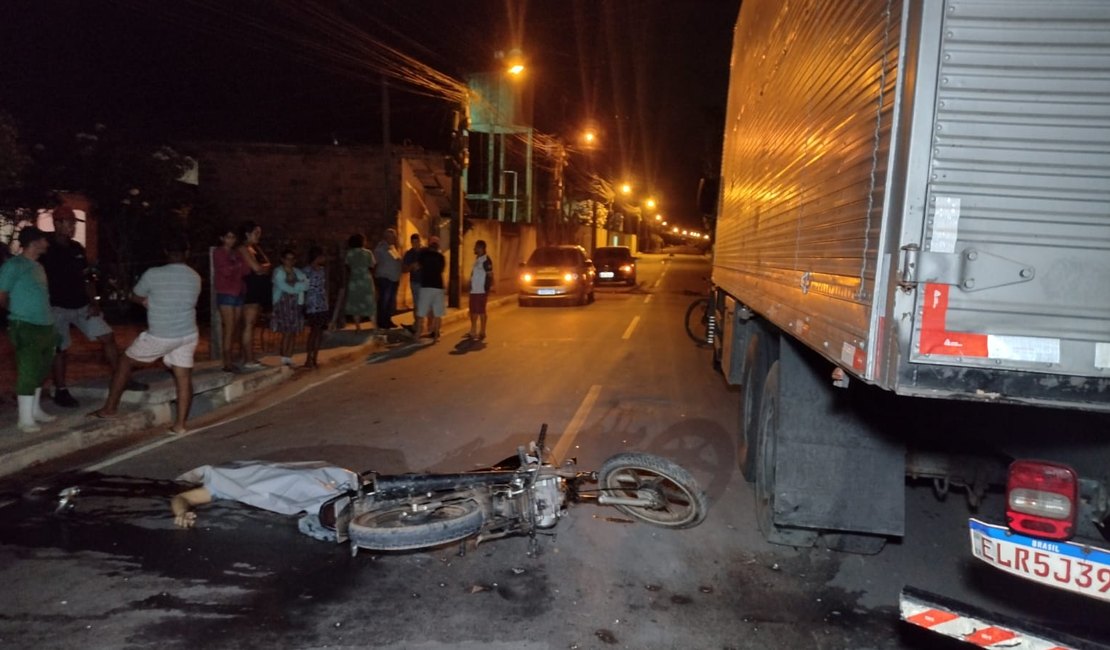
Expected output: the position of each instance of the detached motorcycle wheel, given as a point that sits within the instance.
(678, 502)
(398, 527)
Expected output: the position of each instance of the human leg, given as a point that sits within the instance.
(111, 352)
(115, 390)
(229, 320)
(34, 354)
(183, 380)
(312, 343)
(288, 339)
(389, 304)
(250, 317)
(63, 318)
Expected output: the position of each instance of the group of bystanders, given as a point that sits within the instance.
(47, 290)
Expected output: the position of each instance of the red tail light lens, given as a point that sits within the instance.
(1041, 499)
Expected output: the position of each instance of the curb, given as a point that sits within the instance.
(213, 389)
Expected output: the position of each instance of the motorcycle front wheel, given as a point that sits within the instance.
(407, 525)
(677, 501)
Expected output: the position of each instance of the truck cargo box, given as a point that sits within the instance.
(920, 191)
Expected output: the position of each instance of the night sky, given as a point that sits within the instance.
(651, 73)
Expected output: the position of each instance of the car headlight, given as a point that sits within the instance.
(627, 268)
(526, 278)
(570, 277)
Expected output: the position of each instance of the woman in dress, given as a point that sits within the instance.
(316, 309)
(228, 270)
(290, 285)
(257, 293)
(361, 299)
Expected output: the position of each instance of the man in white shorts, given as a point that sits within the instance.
(429, 302)
(169, 294)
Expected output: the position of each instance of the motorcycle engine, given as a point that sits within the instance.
(547, 501)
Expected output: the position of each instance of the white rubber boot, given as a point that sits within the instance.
(39, 414)
(27, 414)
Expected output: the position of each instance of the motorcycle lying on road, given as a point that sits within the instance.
(521, 495)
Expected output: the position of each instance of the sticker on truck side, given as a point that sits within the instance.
(1064, 565)
(937, 339)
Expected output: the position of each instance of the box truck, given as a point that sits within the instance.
(912, 245)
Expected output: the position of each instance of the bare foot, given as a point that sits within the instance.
(178, 430)
(103, 414)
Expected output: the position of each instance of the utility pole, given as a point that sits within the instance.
(457, 161)
(387, 158)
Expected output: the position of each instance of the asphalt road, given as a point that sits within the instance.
(617, 375)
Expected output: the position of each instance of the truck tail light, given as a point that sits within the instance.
(1041, 499)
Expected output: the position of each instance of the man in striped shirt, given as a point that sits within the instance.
(169, 294)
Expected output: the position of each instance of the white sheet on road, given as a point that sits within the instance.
(286, 488)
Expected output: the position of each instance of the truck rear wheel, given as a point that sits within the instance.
(757, 362)
(765, 470)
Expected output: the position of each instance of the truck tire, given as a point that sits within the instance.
(767, 432)
(761, 353)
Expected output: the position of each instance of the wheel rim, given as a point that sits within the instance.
(405, 517)
(672, 503)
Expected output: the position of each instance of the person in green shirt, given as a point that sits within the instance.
(26, 295)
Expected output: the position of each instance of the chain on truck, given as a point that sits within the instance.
(912, 265)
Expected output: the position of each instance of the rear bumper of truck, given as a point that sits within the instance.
(980, 627)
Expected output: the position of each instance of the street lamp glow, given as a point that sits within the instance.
(659, 217)
(685, 232)
(664, 223)
(589, 137)
(516, 68)
(651, 203)
(674, 229)
(626, 188)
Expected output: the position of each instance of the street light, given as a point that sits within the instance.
(626, 188)
(514, 62)
(650, 203)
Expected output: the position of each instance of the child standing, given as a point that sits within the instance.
(290, 285)
(317, 314)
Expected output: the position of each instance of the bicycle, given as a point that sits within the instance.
(701, 322)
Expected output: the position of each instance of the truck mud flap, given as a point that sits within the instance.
(834, 469)
(979, 627)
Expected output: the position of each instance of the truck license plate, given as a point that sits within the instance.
(1064, 565)
(547, 292)
(606, 274)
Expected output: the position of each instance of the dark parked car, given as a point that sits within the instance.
(615, 264)
(562, 273)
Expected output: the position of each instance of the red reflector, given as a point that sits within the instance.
(1041, 499)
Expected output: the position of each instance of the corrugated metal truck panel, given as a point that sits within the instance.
(942, 230)
(806, 146)
(1020, 177)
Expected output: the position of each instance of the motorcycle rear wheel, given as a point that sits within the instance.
(398, 527)
(680, 502)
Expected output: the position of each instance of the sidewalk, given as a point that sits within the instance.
(145, 413)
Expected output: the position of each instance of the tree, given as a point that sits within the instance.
(13, 164)
(132, 186)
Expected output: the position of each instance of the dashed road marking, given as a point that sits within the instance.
(631, 326)
(575, 425)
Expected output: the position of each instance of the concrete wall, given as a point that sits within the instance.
(319, 195)
(301, 195)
